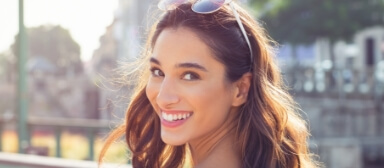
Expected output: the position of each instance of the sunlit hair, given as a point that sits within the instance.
(270, 132)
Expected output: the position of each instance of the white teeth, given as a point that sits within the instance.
(170, 118)
(174, 117)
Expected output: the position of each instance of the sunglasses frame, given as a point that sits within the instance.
(172, 6)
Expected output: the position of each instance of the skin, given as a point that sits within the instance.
(186, 78)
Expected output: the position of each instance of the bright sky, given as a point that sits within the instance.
(85, 19)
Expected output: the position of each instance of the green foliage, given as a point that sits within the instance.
(270, 6)
(53, 43)
(302, 21)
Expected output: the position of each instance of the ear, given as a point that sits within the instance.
(241, 89)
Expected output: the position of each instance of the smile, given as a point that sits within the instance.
(175, 117)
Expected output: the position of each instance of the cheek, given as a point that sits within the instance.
(151, 91)
(210, 97)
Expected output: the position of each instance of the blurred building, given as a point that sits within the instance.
(7, 87)
(121, 43)
(343, 99)
(132, 19)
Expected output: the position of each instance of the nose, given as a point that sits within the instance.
(167, 95)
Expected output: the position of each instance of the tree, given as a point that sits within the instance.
(303, 21)
(54, 44)
(262, 7)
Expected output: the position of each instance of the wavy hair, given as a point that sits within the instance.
(269, 130)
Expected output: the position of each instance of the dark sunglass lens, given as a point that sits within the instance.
(207, 6)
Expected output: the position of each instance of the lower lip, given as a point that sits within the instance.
(173, 124)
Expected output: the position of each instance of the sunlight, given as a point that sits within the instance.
(85, 19)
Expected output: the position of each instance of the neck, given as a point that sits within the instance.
(217, 149)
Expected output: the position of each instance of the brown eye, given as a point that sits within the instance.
(156, 72)
(190, 76)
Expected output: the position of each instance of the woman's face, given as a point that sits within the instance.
(187, 88)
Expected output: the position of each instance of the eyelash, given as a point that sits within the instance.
(194, 76)
(153, 70)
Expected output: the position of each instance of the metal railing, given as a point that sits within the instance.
(90, 126)
(329, 81)
(32, 161)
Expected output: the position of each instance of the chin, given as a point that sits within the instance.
(172, 141)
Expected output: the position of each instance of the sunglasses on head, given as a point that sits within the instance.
(206, 7)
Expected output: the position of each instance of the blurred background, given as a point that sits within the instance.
(57, 61)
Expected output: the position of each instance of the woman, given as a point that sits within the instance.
(211, 95)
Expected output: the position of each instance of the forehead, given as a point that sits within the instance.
(182, 44)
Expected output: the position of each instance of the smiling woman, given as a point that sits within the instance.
(211, 95)
(188, 81)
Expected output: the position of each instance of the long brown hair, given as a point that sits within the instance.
(270, 131)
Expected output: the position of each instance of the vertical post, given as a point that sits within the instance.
(91, 141)
(58, 141)
(22, 97)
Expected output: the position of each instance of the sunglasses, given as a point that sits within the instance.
(207, 7)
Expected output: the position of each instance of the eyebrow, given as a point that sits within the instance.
(182, 65)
